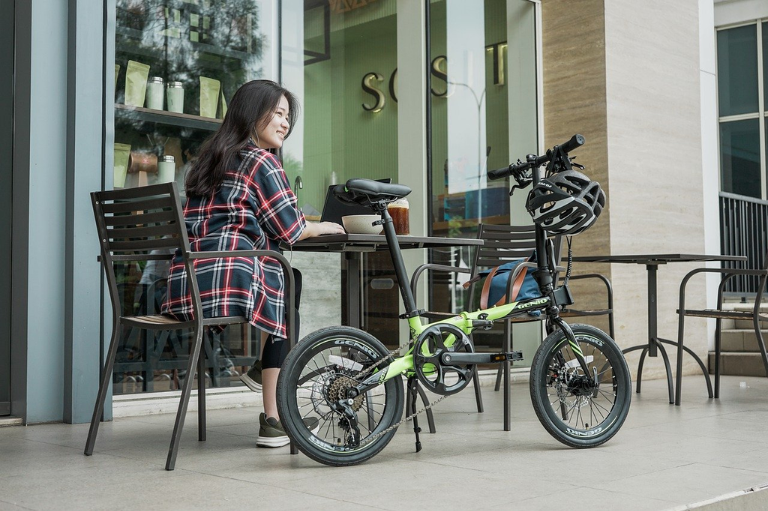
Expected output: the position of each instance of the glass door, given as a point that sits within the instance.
(483, 115)
(340, 59)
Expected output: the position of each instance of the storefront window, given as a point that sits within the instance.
(470, 98)
(177, 63)
(340, 58)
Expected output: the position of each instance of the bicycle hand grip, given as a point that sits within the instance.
(575, 141)
(499, 173)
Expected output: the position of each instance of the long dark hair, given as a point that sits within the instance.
(251, 109)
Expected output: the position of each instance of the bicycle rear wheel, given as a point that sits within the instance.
(315, 375)
(574, 410)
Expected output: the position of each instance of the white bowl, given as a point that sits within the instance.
(361, 224)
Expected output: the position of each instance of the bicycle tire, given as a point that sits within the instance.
(316, 368)
(559, 390)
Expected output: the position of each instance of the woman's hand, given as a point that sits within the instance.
(319, 228)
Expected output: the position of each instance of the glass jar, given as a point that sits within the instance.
(155, 93)
(399, 211)
(175, 97)
(166, 169)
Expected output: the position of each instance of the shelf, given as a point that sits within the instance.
(136, 113)
(157, 53)
(470, 222)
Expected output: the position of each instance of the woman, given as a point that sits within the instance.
(238, 198)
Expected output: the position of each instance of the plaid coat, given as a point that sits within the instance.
(254, 208)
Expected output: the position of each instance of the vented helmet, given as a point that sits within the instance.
(566, 203)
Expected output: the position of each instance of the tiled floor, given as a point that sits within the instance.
(665, 457)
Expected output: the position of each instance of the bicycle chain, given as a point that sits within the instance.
(363, 374)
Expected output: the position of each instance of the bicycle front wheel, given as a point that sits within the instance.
(316, 375)
(577, 409)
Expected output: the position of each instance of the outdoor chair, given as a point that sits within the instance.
(146, 224)
(502, 244)
(755, 315)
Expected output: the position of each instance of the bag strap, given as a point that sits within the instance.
(517, 285)
(514, 292)
(487, 289)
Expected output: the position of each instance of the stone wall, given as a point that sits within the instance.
(625, 74)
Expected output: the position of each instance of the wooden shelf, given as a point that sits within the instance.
(469, 222)
(197, 46)
(136, 113)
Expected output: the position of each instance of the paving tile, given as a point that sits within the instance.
(587, 499)
(664, 457)
(687, 483)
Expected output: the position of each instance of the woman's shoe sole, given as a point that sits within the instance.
(279, 441)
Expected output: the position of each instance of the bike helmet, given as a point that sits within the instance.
(567, 203)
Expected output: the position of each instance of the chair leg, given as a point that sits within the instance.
(498, 379)
(186, 390)
(506, 364)
(478, 392)
(679, 372)
(718, 327)
(425, 400)
(761, 343)
(201, 370)
(106, 375)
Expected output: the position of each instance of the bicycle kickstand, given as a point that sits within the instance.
(413, 386)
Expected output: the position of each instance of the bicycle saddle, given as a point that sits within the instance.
(366, 192)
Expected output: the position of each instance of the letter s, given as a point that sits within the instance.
(373, 91)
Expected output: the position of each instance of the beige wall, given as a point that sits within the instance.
(625, 74)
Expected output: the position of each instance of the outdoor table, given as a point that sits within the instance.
(354, 245)
(652, 262)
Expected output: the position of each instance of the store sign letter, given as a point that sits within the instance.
(369, 88)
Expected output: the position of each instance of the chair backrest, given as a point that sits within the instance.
(505, 243)
(138, 224)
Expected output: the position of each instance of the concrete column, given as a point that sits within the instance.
(86, 82)
(627, 76)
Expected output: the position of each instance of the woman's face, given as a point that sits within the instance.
(271, 136)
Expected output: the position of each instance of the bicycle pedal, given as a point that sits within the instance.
(502, 357)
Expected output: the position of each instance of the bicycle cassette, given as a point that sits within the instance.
(436, 375)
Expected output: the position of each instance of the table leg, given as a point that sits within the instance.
(701, 365)
(652, 310)
(646, 351)
(353, 260)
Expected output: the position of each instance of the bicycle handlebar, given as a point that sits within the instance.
(566, 147)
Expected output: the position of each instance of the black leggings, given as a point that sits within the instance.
(275, 348)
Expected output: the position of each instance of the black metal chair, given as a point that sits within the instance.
(144, 224)
(502, 244)
(719, 314)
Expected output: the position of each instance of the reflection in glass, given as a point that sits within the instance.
(470, 134)
(205, 50)
(737, 70)
(340, 59)
(740, 157)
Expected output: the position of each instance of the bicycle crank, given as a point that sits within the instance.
(438, 359)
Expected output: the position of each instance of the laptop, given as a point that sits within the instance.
(334, 209)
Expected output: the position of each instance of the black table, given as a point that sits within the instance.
(354, 245)
(655, 343)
